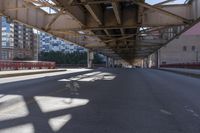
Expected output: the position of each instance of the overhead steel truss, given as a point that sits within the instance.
(127, 29)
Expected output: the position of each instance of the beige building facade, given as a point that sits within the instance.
(185, 49)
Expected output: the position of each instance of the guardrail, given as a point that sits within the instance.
(23, 65)
(182, 65)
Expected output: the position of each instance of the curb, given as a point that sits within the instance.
(29, 73)
(182, 73)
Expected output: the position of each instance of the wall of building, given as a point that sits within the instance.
(185, 49)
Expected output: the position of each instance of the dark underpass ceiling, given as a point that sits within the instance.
(119, 25)
(120, 29)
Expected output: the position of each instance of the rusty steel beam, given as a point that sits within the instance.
(107, 33)
(117, 11)
(164, 2)
(161, 11)
(48, 26)
(95, 12)
(70, 2)
(118, 39)
(90, 17)
(143, 5)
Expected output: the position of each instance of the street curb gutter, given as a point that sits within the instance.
(182, 73)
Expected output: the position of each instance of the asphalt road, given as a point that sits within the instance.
(101, 101)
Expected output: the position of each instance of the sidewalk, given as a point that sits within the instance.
(4, 74)
(189, 72)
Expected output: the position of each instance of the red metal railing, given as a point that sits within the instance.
(20, 65)
(182, 65)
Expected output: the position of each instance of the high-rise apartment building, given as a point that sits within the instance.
(7, 40)
(21, 42)
(49, 43)
(17, 41)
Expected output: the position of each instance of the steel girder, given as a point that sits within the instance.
(125, 27)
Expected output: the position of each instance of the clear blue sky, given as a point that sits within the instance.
(158, 1)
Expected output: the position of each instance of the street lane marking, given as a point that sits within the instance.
(165, 112)
(192, 112)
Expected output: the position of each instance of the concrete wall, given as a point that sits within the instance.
(175, 52)
(185, 49)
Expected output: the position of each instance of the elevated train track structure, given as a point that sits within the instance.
(120, 29)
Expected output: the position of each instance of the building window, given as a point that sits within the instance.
(193, 48)
(184, 48)
(4, 55)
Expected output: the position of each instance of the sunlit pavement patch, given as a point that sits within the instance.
(91, 77)
(12, 106)
(18, 112)
(29, 77)
(58, 122)
(15, 108)
(25, 128)
(49, 104)
(165, 112)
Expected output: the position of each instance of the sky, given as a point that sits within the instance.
(158, 1)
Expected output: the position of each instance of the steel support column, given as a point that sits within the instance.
(157, 54)
(149, 61)
(90, 57)
(107, 61)
(110, 62)
(145, 63)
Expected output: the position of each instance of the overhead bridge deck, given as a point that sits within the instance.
(121, 29)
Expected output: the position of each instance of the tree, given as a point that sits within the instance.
(69, 58)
